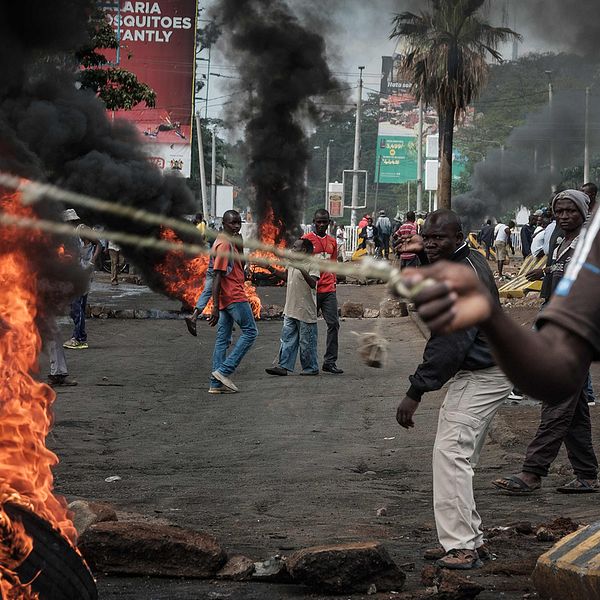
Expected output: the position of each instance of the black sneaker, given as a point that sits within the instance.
(60, 381)
(332, 369)
(276, 371)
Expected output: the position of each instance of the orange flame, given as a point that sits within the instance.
(25, 406)
(269, 232)
(183, 277)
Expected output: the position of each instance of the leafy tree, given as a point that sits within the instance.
(445, 58)
(117, 87)
(339, 126)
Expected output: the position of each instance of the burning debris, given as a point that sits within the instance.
(270, 232)
(183, 277)
(282, 67)
(26, 479)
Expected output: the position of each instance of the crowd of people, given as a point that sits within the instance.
(481, 352)
(474, 348)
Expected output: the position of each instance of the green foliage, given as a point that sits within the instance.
(118, 88)
(445, 57)
(446, 50)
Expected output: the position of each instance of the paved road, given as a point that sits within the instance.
(289, 462)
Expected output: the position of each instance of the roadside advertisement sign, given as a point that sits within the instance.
(398, 122)
(336, 200)
(157, 43)
(397, 158)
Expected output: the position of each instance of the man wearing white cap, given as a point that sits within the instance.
(88, 253)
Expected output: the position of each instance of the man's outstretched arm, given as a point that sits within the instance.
(550, 364)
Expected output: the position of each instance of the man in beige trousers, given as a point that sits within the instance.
(476, 390)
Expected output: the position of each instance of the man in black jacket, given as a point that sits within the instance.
(477, 389)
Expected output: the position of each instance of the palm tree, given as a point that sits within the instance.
(445, 59)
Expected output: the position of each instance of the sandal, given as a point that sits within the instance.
(438, 552)
(513, 485)
(191, 325)
(460, 559)
(579, 486)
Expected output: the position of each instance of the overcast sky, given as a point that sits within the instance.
(358, 34)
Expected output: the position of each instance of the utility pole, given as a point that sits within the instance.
(355, 181)
(327, 173)
(207, 82)
(586, 151)
(550, 107)
(213, 175)
(420, 159)
(203, 191)
(408, 197)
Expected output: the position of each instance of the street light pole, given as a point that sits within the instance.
(356, 165)
(213, 175)
(420, 159)
(586, 151)
(550, 106)
(203, 191)
(327, 173)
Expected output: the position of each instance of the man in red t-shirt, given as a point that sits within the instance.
(406, 231)
(230, 305)
(325, 246)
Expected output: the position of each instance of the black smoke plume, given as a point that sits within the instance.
(520, 174)
(282, 68)
(51, 131)
(570, 24)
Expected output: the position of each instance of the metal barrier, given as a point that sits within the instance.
(351, 241)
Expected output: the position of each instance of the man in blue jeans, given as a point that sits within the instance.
(300, 318)
(230, 305)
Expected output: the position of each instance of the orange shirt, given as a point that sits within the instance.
(232, 283)
(326, 248)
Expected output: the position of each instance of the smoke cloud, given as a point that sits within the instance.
(520, 175)
(571, 24)
(50, 130)
(282, 68)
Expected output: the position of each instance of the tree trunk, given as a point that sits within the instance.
(445, 174)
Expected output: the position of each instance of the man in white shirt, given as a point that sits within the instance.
(537, 243)
(502, 240)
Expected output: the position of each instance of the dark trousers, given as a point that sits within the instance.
(327, 304)
(569, 423)
(385, 244)
(78, 315)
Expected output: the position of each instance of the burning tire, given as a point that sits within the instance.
(55, 569)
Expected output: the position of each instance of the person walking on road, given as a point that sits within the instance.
(300, 317)
(384, 225)
(408, 228)
(325, 247)
(88, 253)
(486, 237)
(230, 305)
(503, 240)
(476, 391)
(569, 421)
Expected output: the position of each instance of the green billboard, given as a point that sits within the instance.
(396, 159)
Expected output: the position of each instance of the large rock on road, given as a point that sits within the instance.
(346, 568)
(130, 548)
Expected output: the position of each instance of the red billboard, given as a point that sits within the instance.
(157, 42)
